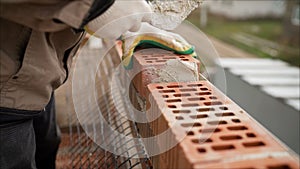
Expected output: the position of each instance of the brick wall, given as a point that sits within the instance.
(214, 132)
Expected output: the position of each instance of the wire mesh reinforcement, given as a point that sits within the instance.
(78, 150)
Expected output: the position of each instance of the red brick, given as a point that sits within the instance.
(197, 108)
(265, 163)
(146, 60)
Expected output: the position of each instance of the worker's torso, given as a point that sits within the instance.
(33, 64)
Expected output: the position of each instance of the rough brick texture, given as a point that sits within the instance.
(147, 60)
(216, 132)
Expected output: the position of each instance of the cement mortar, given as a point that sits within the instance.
(176, 70)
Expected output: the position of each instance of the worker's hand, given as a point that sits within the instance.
(122, 16)
(151, 36)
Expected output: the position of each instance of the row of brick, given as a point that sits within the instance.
(216, 132)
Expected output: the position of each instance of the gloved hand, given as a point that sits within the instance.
(150, 35)
(122, 16)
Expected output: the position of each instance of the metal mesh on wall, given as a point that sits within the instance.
(77, 150)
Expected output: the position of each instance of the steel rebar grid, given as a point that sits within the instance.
(79, 151)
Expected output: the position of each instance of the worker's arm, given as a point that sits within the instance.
(106, 18)
(53, 15)
(122, 16)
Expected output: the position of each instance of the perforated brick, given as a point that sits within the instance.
(146, 61)
(217, 129)
(264, 163)
(216, 132)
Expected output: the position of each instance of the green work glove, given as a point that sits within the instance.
(151, 36)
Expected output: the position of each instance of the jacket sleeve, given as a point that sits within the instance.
(53, 15)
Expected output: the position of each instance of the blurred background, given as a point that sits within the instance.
(264, 28)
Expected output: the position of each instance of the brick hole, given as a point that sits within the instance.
(160, 61)
(145, 56)
(190, 105)
(190, 124)
(181, 56)
(195, 85)
(224, 114)
(205, 109)
(203, 93)
(181, 111)
(237, 128)
(179, 118)
(160, 56)
(185, 59)
(217, 122)
(254, 144)
(223, 147)
(182, 95)
(190, 133)
(200, 140)
(159, 87)
(251, 135)
(201, 150)
(151, 59)
(188, 90)
(173, 100)
(196, 99)
(223, 108)
(230, 137)
(149, 62)
(199, 116)
(236, 120)
(204, 89)
(174, 86)
(210, 130)
(165, 96)
(213, 97)
(172, 106)
(170, 58)
(167, 91)
(282, 166)
(213, 103)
